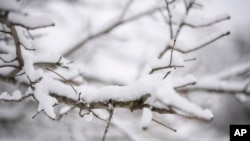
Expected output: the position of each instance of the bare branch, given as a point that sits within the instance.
(32, 28)
(185, 85)
(108, 29)
(164, 125)
(63, 79)
(218, 87)
(192, 59)
(12, 66)
(5, 61)
(170, 19)
(204, 44)
(125, 9)
(207, 24)
(171, 55)
(188, 8)
(111, 112)
(164, 67)
(5, 32)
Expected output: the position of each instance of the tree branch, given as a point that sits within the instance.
(204, 44)
(108, 29)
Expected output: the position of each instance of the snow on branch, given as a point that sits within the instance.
(225, 81)
(47, 78)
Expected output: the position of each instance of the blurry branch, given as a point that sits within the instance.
(109, 29)
(32, 28)
(236, 71)
(219, 87)
(221, 83)
(16, 40)
(17, 100)
(6, 32)
(185, 85)
(125, 9)
(5, 61)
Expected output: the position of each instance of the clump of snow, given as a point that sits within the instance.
(146, 117)
(16, 95)
(22, 39)
(46, 103)
(64, 110)
(168, 96)
(241, 97)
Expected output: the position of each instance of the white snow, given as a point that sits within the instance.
(88, 117)
(46, 102)
(146, 117)
(16, 95)
(64, 110)
(23, 40)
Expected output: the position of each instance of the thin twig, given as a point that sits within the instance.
(164, 67)
(170, 19)
(204, 44)
(179, 28)
(207, 24)
(125, 9)
(63, 79)
(164, 125)
(192, 59)
(5, 61)
(111, 111)
(185, 85)
(172, 52)
(166, 75)
(33, 28)
(5, 32)
(11, 66)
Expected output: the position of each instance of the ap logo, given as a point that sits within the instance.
(239, 132)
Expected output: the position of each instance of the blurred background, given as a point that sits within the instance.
(119, 57)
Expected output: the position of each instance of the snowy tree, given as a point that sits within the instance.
(61, 84)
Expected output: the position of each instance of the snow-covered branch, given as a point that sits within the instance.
(230, 81)
(47, 78)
